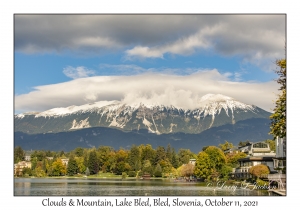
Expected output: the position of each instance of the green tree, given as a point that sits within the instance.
(33, 162)
(49, 153)
(147, 167)
(227, 145)
(169, 152)
(160, 154)
(243, 143)
(271, 144)
(85, 157)
(225, 171)
(147, 153)
(278, 118)
(104, 154)
(93, 163)
(19, 154)
(87, 172)
(166, 166)
(78, 152)
(184, 156)
(216, 156)
(47, 166)
(111, 163)
(39, 172)
(124, 175)
(62, 154)
(80, 164)
(26, 172)
(232, 158)
(204, 148)
(158, 171)
(134, 158)
(121, 162)
(39, 155)
(175, 159)
(72, 167)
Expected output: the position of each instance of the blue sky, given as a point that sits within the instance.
(64, 60)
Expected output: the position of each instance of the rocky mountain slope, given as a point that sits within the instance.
(213, 110)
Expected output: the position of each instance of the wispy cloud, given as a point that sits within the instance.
(78, 72)
(169, 89)
(181, 46)
(124, 69)
(132, 69)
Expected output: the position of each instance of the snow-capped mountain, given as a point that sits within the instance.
(212, 110)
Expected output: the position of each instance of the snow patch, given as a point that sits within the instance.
(74, 109)
(171, 127)
(115, 123)
(148, 124)
(81, 124)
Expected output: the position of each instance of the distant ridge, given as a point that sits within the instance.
(255, 129)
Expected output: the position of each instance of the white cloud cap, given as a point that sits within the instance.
(181, 91)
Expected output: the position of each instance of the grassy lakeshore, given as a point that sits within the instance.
(94, 176)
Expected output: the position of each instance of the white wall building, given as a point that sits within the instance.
(280, 158)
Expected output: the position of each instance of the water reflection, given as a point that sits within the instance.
(23, 188)
(100, 187)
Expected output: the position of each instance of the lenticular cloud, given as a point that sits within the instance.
(150, 88)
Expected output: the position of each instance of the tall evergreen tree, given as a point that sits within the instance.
(19, 154)
(134, 158)
(147, 167)
(148, 153)
(278, 118)
(93, 163)
(185, 155)
(169, 152)
(72, 168)
(78, 151)
(104, 155)
(160, 154)
(158, 171)
(175, 159)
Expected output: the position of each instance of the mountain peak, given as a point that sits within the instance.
(215, 97)
(208, 104)
(212, 110)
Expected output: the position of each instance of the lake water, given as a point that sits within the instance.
(127, 187)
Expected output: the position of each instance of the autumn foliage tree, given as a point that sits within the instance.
(210, 163)
(227, 145)
(203, 167)
(259, 170)
(187, 170)
(216, 156)
(232, 158)
(58, 168)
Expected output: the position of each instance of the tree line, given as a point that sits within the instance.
(139, 160)
(142, 159)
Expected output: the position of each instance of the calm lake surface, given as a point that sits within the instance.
(127, 187)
